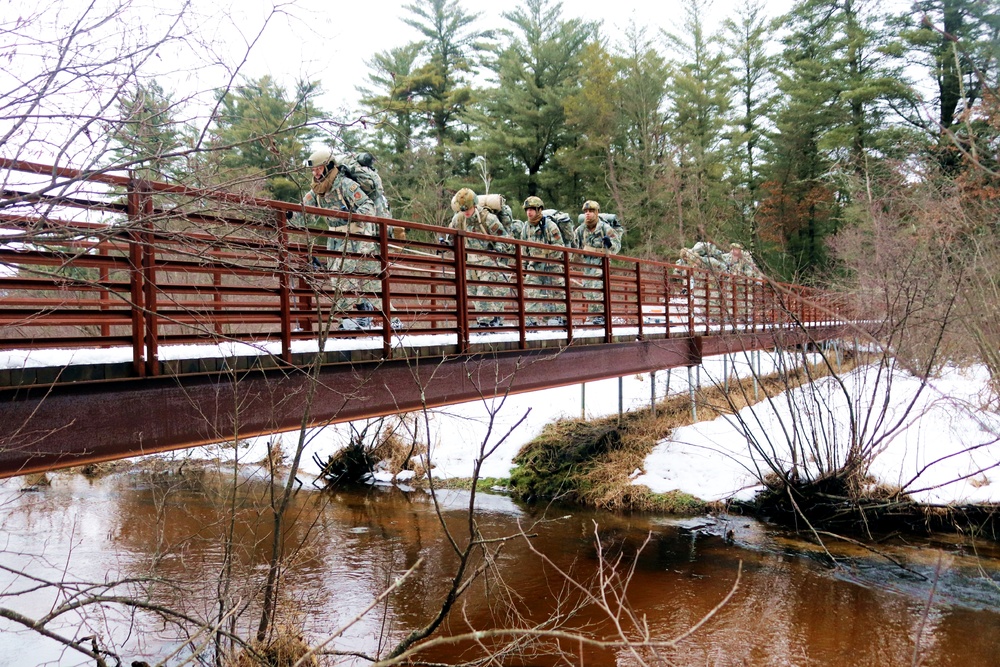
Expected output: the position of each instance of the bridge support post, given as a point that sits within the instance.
(652, 392)
(621, 406)
(691, 392)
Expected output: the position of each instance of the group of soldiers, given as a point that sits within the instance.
(333, 188)
(709, 256)
(489, 261)
(541, 271)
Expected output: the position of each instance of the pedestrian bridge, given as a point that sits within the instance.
(140, 317)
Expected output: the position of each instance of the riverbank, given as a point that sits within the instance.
(831, 446)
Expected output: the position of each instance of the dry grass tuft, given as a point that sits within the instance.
(286, 649)
(592, 462)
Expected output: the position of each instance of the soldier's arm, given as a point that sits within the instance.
(616, 240)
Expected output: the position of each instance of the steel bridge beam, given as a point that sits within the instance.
(67, 426)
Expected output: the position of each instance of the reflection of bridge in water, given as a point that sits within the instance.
(141, 317)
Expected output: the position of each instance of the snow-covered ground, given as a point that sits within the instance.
(938, 443)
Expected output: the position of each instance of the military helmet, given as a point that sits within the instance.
(320, 158)
(463, 200)
(591, 205)
(533, 202)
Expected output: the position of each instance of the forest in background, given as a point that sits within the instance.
(778, 132)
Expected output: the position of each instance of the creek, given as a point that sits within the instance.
(936, 601)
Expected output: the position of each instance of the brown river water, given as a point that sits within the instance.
(926, 602)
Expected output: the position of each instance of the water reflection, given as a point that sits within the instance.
(168, 532)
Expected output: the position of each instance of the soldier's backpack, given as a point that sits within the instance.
(360, 168)
(565, 224)
(610, 218)
(498, 206)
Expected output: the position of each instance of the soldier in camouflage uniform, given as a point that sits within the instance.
(542, 229)
(470, 216)
(333, 190)
(739, 262)
(598, 236)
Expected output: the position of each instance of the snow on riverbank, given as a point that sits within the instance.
(938, 443)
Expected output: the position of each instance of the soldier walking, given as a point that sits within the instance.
(542, 229)
(483, 282)
(595, 235)
(353, 281)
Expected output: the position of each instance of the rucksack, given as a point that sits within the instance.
(360, 168)
(565, 224)
(497, 205)
(610, 218)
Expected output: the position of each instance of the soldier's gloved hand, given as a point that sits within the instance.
(399, 233)
(607, 242)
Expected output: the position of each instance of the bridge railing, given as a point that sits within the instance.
(105, 261)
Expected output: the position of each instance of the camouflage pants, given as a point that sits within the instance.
(354, 279)
(595, 289)
(491, 284)
(544, 279)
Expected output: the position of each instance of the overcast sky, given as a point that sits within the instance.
(330, 41)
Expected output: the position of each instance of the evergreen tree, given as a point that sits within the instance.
(388, 99)
(147, 138)
(260, 136)
(755, 97)
(591, 119)
(699, 94)
(439, 89)
(523, 119)
(639, 169)
(958, 42)
(839, 86)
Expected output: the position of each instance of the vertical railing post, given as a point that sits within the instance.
(461, 292)
(149, 284)
(104, 296)
(217, 305)
(519, 283)
(383, 235)
(734, 304)
(638, 296)
(666, 299)
(136, 277)
(689, 279)
(285, 286)
(606, 297)
(568, 296)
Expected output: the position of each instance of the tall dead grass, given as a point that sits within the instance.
(592, 462)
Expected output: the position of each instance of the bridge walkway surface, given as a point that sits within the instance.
(140, 317)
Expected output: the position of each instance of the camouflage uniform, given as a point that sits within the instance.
(339, 193)
(482, 221)
(602, 238)
(739, 262)
(543, 231)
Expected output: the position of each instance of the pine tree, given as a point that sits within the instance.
(699, 95)
(639, 171)
(523, 118)
(147, 138)
(958, 43)
(754, 100)
(260, 136)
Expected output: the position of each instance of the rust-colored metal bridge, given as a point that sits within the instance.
(139, 317)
